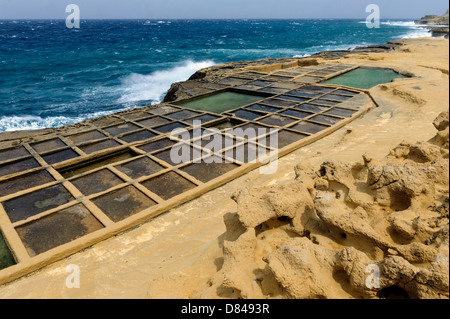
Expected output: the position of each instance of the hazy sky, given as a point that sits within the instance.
(217, 9)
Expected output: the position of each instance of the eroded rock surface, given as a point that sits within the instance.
(361, 230)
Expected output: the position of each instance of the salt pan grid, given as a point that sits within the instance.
(67, 192)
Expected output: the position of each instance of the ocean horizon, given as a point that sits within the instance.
(54, 76)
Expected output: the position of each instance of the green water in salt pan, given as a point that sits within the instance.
(6, 258)
(364, 78)
(221, 102)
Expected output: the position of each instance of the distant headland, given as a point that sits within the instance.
(437, 24)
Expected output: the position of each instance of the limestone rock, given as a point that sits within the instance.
(301, 268)
(434, 19)
(423, 152)
(344, 230)
(352, 222)
(404, 228)
(442, 125)
(398, 186)
(442, 121)
(401, 151)
(257, 206)
(417, 252)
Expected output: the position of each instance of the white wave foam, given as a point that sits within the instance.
(400, 23)
(414, 30)
(301, 55)
(417, 34)
(135, 87)
(152, 87)
(396, 23)
(31, 122)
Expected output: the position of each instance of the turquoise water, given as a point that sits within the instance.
(53, 76)
(221, 102)
(365, 78)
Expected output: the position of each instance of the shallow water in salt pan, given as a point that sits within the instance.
(365, 78)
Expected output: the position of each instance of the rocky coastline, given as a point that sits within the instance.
(374, 193)
(196, 84)
(437, 25)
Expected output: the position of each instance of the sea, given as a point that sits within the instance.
(52, 76)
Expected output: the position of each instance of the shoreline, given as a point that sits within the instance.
(189, 239)
(9, 136)
(28, 122)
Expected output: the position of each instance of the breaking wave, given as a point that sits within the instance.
(138, 87)
(32, 122)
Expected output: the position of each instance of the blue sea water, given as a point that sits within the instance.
(52, 76)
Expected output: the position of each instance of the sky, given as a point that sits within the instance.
(219, 9)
